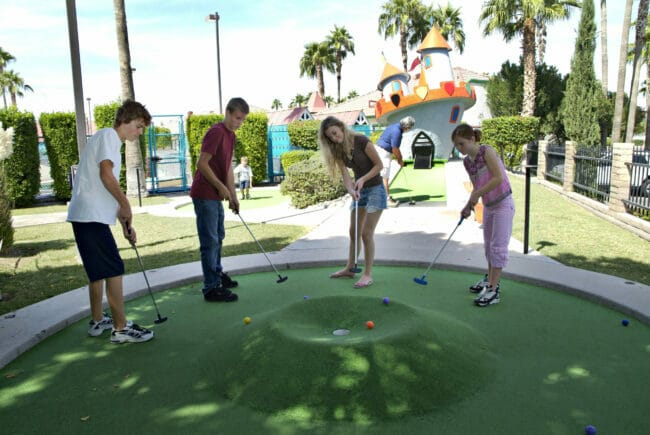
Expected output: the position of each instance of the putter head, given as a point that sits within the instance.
(160, 320)
(420, 281)
(412, 202)
(355, 269)
(282, 279)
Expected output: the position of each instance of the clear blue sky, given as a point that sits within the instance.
(173, 49)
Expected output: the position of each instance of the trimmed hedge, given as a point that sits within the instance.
(60, 137)
(22, 169)
(307, 183)
(509, 134)
(289, 158)
(304, 134)
(252, 140)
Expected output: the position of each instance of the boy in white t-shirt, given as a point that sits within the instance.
(244, 175)
(97, 201)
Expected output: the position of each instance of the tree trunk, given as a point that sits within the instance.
(604, 66)
(132, 153)
(402, 46)
(530, 73)
(320, 79)
(622, 63)
(639, 41)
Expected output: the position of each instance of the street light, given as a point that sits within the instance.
(90, 118)
(215, 17)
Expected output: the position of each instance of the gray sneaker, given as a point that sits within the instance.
(133, 333)
(488, 296)
(96, 329)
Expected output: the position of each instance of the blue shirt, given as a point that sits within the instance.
(391, 137)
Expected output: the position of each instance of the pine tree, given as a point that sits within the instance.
(583, 102)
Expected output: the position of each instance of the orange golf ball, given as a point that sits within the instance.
(370, 324)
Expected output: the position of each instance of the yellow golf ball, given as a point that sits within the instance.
(247, 320)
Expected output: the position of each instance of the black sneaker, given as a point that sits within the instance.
(227, 281)
(220, 294)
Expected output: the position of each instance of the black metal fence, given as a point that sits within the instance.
(593, 172)
(555, 163)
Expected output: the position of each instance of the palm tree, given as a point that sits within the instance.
(522, 17)
(316, 57)
(622, 64)
(298, 100)
(132, 153)
(450, 24)
(5, 58)
(603, 46)
(329, 100)
(352, 94)
(276, 104)
(15, 85)
(340, 40)
(402, 18)
(639, 43)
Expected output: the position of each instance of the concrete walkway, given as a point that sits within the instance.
(407, 235)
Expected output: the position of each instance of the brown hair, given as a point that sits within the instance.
(239, 104)
(333, 152)
(130, 110)
(466, 131)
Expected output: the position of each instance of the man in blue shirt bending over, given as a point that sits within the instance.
(388, 145)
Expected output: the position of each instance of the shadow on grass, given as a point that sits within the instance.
(615, 266)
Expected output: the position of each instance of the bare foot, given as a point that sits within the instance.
(365, 281)
(343, 273)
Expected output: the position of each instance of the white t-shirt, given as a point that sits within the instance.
(91, 201)
(243, 172)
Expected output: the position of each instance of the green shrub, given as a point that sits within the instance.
(252, 140)
(307, 183)
(304, 134)
(291, 157)
(6, 229)
(60, 136)
(197, 126)
(508, 135)
(22, 169)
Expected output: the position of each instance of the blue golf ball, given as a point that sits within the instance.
(386, 301)
(625, 322)
(590, 430)
(305, 297)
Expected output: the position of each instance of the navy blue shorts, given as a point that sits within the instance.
(98, 250)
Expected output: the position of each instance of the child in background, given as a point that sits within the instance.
(244, 174)
(491, 185)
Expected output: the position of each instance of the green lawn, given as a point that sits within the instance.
(572, 235)
(42, 264)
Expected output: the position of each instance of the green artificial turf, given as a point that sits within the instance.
(541, 362)
(260, 197)
(419, 184)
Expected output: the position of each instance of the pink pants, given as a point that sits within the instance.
(497, 230)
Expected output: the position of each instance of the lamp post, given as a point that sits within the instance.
(215, 17)
(90, 118)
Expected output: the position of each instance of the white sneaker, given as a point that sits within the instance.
(133, 333)
(476, 288)
(97, 328)
(488, 296)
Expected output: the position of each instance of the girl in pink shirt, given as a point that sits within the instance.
(491, 185)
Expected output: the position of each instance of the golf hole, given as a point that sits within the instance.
(341, 332)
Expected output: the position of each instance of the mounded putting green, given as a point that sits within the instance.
(541, 362)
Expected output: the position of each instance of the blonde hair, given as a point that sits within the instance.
(333, 152)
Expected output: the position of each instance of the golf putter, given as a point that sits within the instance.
(408, 186)
(422, 280)
(356, 268)
(259, 245)
(160, 319)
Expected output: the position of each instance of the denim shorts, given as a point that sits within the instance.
(372, 198)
